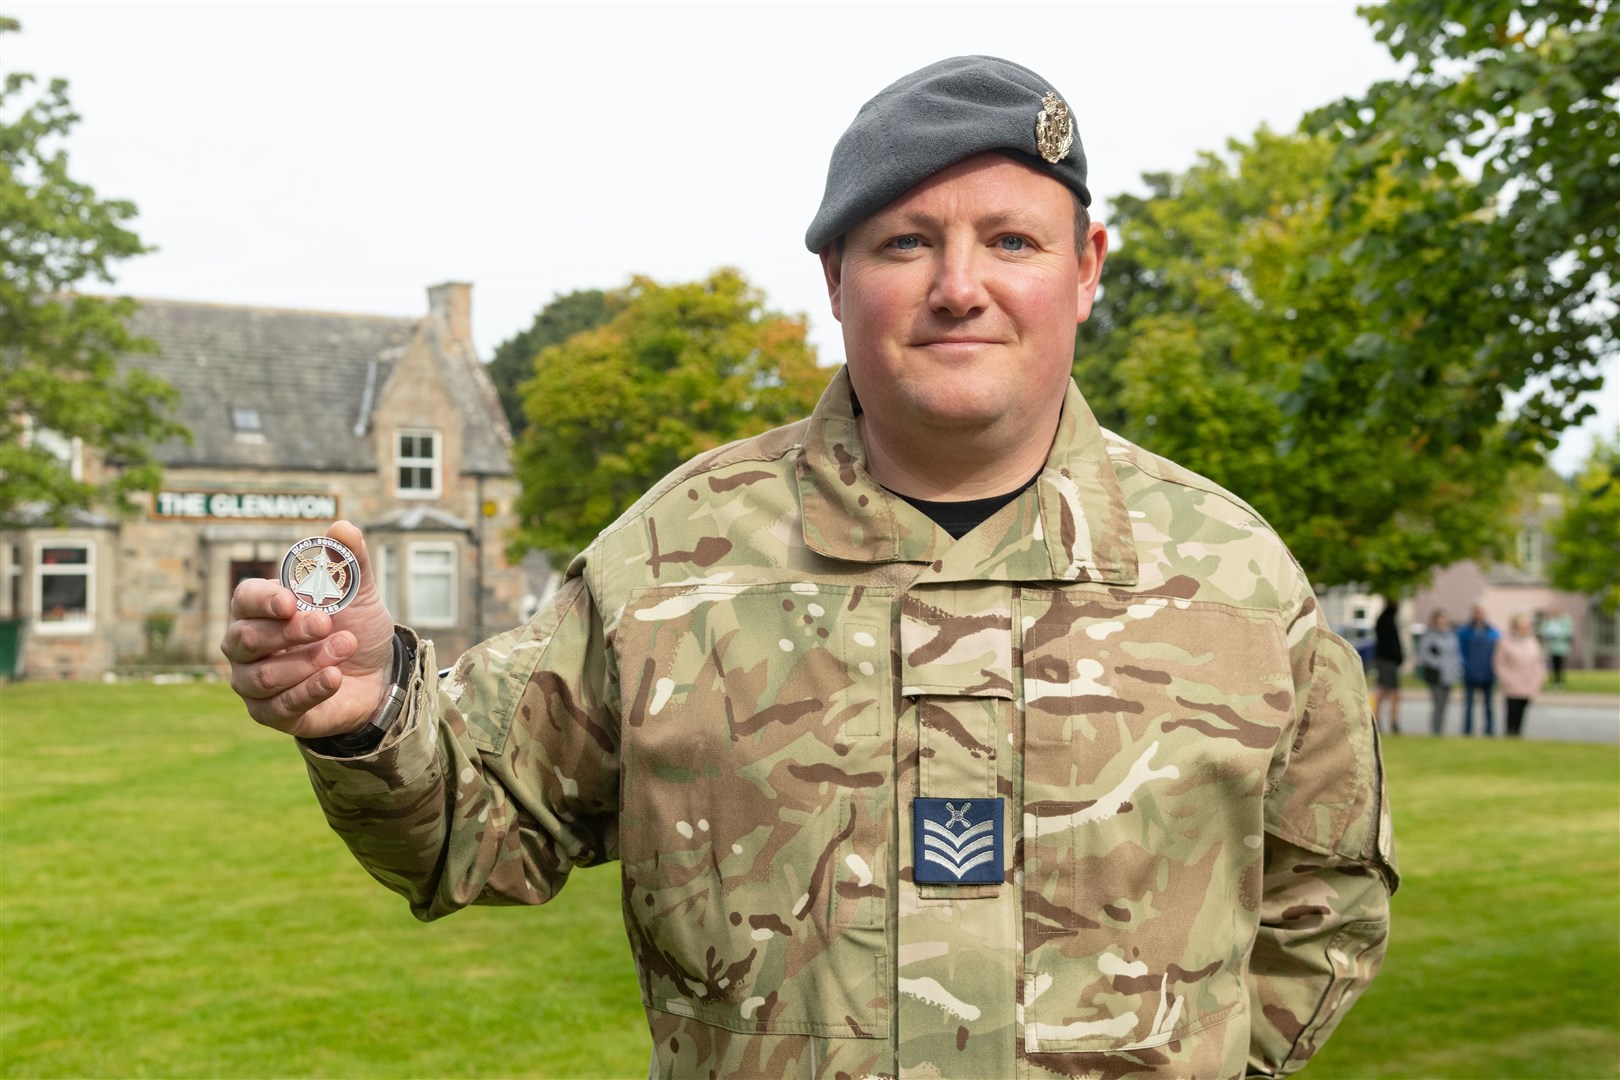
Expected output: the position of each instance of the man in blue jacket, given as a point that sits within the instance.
(1477, 640)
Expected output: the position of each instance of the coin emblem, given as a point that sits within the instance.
(322, 574)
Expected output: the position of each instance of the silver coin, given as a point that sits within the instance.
(322, 574)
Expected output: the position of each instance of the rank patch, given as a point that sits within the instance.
(957, 841)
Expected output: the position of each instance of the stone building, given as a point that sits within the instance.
(298, 418)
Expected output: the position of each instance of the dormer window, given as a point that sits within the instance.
(245, 422)
(417, 464)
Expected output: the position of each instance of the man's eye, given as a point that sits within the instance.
(905, 243)
(1013, 243)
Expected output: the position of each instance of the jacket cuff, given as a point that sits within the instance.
(406, 751)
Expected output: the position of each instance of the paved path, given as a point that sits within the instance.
(1557, 717)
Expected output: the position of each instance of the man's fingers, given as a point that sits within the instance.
(288, 710)
(286, 669)
(261, 598)
(308, 673)
(249, 640)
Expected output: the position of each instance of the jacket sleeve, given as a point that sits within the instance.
(1329, 867)
(498, 779)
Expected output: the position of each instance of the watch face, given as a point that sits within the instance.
(322, 574)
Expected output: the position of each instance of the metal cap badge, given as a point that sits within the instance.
(1054, 130)
(322, 574)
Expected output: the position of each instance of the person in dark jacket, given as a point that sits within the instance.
(1477, 640)
(1388, 656)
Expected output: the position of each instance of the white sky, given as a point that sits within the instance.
(345, 156)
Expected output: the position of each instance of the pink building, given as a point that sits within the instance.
(1505, 590)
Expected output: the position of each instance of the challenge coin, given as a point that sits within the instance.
(322, 574)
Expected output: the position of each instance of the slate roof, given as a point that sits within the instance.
(419, 519)
(313, 378)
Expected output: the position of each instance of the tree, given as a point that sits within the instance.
(679, 370)
(1523, 95)
(1587, 536)
(1235, 335)
(59, 372)
(566, 315)
(1376, 332)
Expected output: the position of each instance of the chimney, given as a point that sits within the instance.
(452, 301)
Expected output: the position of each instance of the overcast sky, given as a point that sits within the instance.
(345, 156)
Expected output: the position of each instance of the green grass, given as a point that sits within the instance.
(1584, 681)
(172, 904)
(1588, 682)
(1505, 951)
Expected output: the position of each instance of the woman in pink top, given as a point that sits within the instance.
(1520, 670)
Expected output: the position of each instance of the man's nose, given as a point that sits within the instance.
(958, 288)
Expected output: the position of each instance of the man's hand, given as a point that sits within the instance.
(305, 672)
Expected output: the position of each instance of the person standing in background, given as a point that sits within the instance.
(1388, 656)
(1441, 659)
(1477, 642)
(1521, 670)
(1557, 632)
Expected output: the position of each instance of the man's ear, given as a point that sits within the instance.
(832, 268)
(1091, 264)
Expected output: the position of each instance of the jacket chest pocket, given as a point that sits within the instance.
(756, 792)
(1151, 726)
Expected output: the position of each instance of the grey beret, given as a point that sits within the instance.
(935, 117)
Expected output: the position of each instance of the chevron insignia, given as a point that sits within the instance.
(957, 841)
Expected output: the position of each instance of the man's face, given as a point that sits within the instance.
(959, 302)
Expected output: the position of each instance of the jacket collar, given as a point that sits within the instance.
(1071, 525)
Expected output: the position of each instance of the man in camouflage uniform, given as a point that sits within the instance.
(1086, 790)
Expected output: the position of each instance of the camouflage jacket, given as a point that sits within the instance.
(1092, 791)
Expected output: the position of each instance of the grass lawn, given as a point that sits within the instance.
(1585, 681)
(172, 904)
(1504, 958)
(1589, 682)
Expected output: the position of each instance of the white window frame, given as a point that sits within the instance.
(434, 464)
(418, 618)
(386, 566)
(77, 624)
(1531, 550)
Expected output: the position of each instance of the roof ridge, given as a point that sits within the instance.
(222, 305)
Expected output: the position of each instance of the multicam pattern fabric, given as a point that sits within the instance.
(749, 679)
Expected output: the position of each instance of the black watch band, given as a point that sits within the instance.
(363, 740)
(394, 703)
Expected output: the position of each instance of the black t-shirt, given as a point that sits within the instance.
(962, 517)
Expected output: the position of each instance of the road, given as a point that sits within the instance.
(1555, 717)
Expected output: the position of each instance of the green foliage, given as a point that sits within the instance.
(1586, 540)
(1234, 337)
(1510, 279)
(1374, 333)
(679, 370)
(58, 351)
(566, 315)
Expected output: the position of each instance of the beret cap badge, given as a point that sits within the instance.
(1054, 130)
